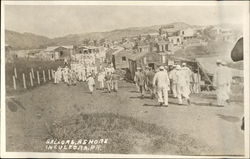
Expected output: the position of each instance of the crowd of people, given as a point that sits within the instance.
(179, 80)
(105, 76)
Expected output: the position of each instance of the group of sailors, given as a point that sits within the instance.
(107, 77)
(64, 74)
(179, 80)
(73, 74)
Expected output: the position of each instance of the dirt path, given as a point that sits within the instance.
(218, 127)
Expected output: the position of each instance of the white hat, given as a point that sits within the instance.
(161, 68)
(218, 61)
(138, 68)
(178, 67)
(223, 63)
(184, 64)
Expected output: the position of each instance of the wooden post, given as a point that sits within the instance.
(44, 79)
(14, 82)
(31, 79)
(199, 85)
(49, 74)
(53, 73)
(38, 78)
(15, 72)
(32, 71)
(24, 82)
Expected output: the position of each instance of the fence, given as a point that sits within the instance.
(23, 75)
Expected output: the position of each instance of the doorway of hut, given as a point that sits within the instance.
(152, 65)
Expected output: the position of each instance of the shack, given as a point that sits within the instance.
(154, 60)
(59, 52)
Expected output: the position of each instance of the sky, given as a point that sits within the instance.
(60, 20)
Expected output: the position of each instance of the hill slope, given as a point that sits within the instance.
(25, 40)
(32, 41)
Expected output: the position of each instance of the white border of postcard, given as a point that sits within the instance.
(245, 4)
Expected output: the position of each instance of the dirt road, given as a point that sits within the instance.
(216, 127)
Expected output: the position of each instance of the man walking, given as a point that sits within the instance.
(149, 80)
(183, 89)
(140, 80)
(222, 82)
(108, 79)
(100, 78)
(91, 83)
(115, 78)
(161, 81)
(136, 74)
(173, 81)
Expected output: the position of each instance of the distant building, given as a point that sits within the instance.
(142, 46)
(59, 52)
(120, 58)
(88, 54)
(187, 33)
(127, 45)
(223, 34)
(162, 45)
(176, 40)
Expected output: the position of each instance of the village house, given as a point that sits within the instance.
(106, 43)
(223, 34)
(176, 40)
(87, 54)
(188, 33)
(57, 52)
(127, 45)
(120, 58)
(142, 46)
(162, 45)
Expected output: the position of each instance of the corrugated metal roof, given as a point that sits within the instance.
(52, 48)
(135, 56)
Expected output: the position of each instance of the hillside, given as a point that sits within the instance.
(25, 40)
(32, 41)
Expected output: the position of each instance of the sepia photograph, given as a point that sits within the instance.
(124, 78)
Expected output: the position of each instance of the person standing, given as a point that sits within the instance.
(140, 80)
(161, 81)
(149, 80)
(173, 81)
(101, 78)
(58, 75)
(91, 83)
(196, 82)
(145, 71)
(188, 74)
(73, 77)
(136, 73)
(115, 79)
(108, 79)
(222, 82)
(183, 89)
(65, 74)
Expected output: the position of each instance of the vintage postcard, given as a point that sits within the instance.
(124, 79)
